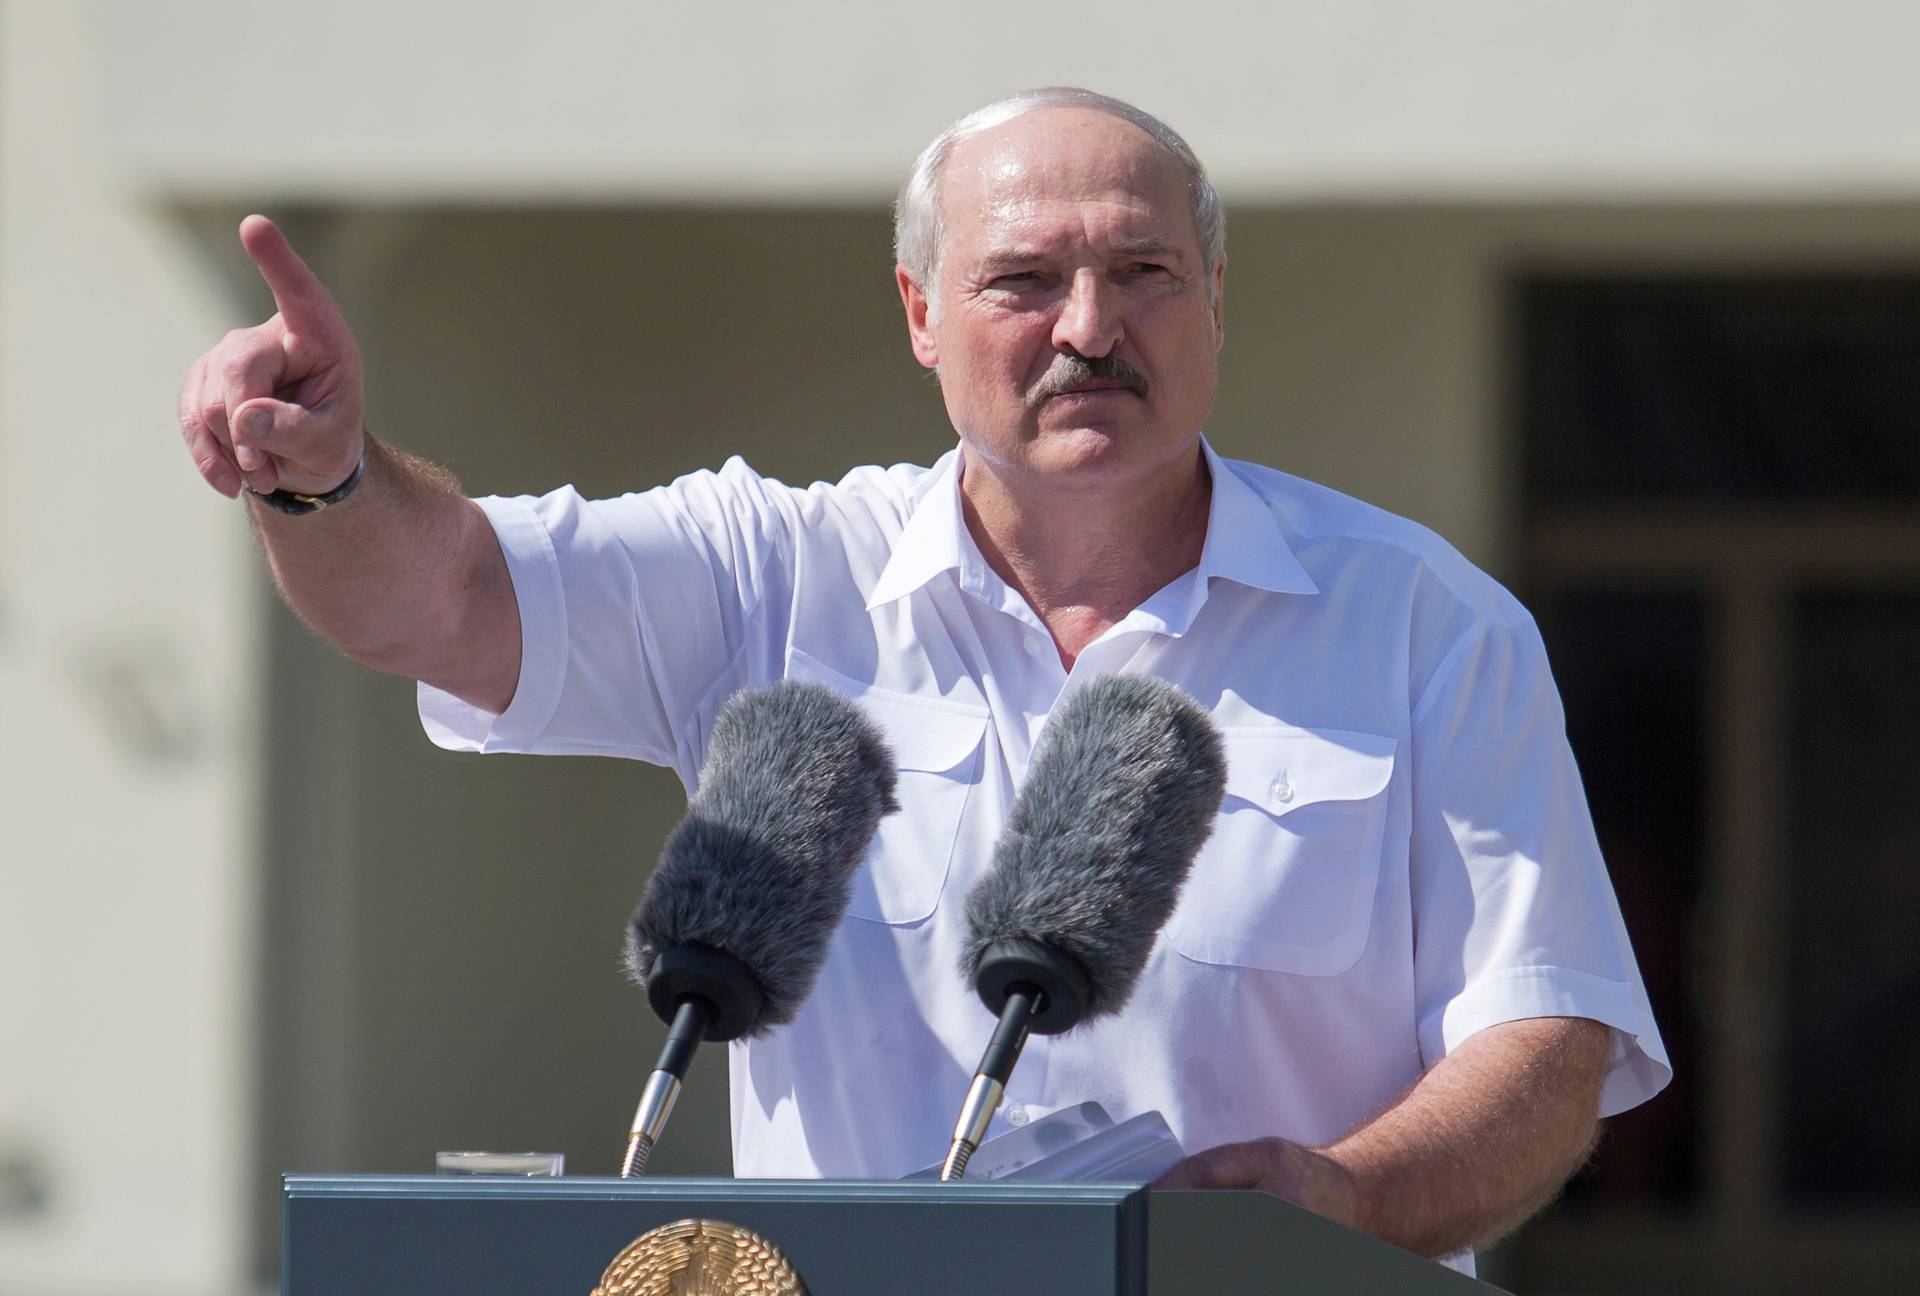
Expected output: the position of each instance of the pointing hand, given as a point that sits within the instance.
(279, 405)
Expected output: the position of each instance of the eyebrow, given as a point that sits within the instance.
(1014, 258)
(1145, 247)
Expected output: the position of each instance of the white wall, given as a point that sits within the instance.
(127, 753)
(1387, 99)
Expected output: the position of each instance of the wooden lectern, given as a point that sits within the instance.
(430, 1235)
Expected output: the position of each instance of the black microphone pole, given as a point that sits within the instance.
(703, 994)
(688, 1032)
(1039, 989)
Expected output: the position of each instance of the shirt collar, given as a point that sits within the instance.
(1245, 544)
(1245, 541)
(934, 540)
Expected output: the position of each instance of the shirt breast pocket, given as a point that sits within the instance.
(936, 746)
(1286, 881)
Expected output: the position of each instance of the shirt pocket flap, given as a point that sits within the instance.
(936, 745)
(1287, 881)
(935, 739)
(1282, 770)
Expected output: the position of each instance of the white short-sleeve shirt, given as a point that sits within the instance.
(1404, 855)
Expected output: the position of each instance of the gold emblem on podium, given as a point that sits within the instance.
(696, 1257)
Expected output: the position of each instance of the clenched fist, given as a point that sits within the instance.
(278, 405)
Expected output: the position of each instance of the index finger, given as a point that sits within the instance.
(304, 303)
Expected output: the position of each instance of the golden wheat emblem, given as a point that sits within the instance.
(695, 1257)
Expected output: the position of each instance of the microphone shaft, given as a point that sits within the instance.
(1010, 1036)
(690, 1022)
(691, 1018)
(990, 1081)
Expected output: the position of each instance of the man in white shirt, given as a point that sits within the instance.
(1396, 990)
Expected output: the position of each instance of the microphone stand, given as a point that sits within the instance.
(1034, 987)
(990, 1081)
(702, 994)
(689, 1030)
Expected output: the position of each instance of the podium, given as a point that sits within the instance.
(430, 1235)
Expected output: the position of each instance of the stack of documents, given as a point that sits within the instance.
(1076, 1145)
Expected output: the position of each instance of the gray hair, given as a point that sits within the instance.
(918, 229)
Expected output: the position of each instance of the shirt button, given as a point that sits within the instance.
(1016, 1115)
(1281, 791)
(1032, 644)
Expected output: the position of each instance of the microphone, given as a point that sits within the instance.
(1122, 793)
(734, 926)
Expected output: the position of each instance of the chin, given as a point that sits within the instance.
(1094, 452)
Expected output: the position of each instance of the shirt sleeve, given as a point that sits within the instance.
(1514, 915)
(635, 612)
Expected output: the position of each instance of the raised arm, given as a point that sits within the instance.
(403, 574)
(1480, 1143)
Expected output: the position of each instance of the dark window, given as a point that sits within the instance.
(1638, 391)
(1629, 667)
(1853, 1011)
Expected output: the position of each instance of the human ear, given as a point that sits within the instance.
(926, 349)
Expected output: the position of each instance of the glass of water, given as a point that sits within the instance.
(519, 1165)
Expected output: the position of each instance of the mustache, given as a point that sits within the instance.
(1071, 372)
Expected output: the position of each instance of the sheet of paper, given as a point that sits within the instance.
(1078, 1144)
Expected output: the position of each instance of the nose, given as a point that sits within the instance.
(1089, 319)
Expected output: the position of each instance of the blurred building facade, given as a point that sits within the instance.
(1624, 303)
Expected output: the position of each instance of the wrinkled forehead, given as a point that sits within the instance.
(1053, 165)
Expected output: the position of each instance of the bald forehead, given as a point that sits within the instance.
(1074, 154)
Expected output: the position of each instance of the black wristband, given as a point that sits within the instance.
(292, 502)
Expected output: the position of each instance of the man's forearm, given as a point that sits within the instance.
(1483, 1140)
(1470, 1151)
(405, 576)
